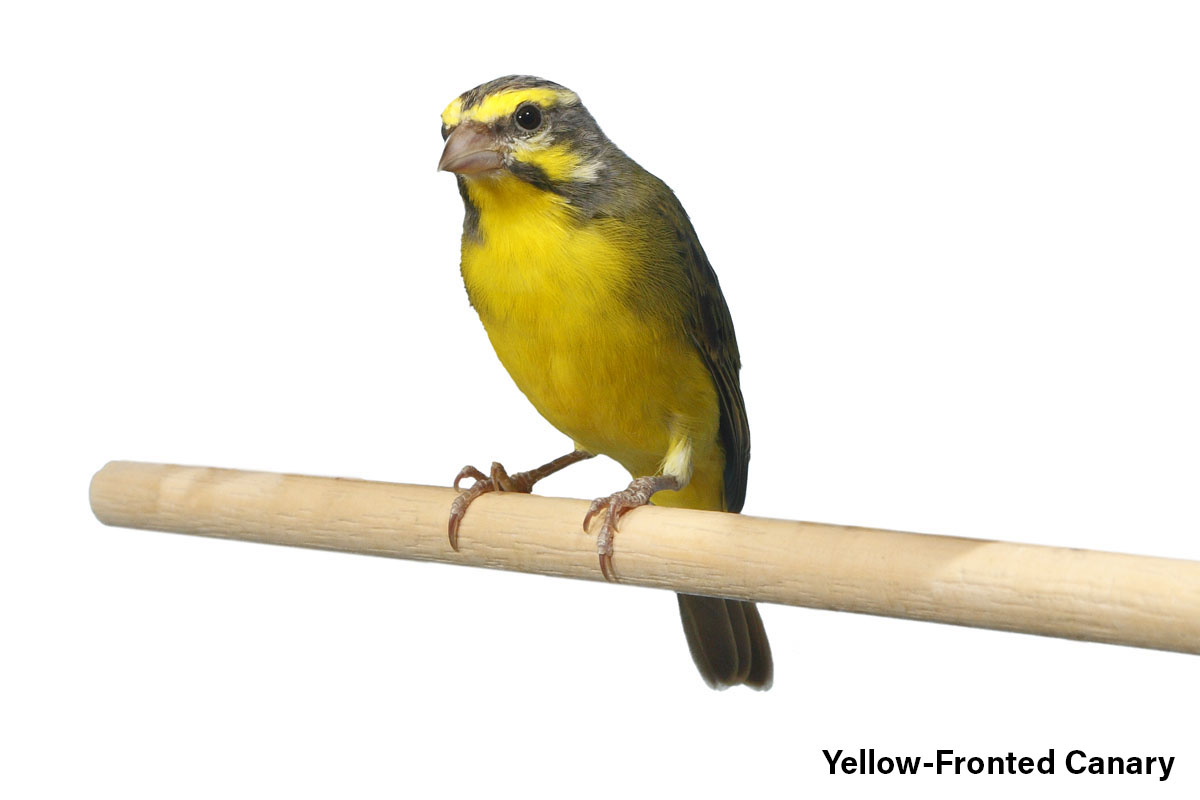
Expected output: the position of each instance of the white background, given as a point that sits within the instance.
(960, 245)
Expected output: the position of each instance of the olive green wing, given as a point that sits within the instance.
(709, 326)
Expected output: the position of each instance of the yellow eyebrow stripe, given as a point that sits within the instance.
(504, 103)
(453, 113)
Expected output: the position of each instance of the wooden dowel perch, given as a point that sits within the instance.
(1052, 591)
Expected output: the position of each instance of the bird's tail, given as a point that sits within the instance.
(728, 641)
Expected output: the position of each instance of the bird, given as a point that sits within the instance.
(601, 304)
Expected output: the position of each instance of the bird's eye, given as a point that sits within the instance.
(528, 117)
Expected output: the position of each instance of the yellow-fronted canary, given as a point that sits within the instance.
(601, 304)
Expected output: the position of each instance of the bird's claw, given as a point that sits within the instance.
(498, 481)
(468, 472)
(458, 508)
(616, 505)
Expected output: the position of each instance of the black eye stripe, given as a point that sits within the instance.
(528, 117)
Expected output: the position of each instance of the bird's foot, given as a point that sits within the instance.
(638, 493)
(498, 481)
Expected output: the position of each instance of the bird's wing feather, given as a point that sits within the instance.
(710, 328)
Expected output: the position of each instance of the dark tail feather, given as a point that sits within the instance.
(762, 668)
(741, 637)
(727, 640)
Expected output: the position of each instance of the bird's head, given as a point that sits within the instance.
(524, 129)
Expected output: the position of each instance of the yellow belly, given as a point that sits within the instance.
(609, 383)
(554, 299)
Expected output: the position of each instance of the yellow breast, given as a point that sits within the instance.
(555, 297)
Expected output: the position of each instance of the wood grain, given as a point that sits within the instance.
(1052, 591)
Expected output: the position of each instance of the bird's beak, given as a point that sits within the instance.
(470, 150)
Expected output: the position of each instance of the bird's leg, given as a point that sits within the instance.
(500, 481)
(638, 493)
